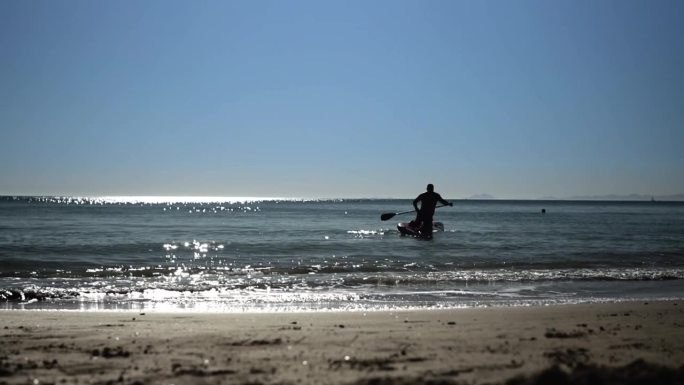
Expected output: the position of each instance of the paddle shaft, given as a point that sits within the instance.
(387, 216)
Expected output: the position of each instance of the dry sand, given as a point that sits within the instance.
(632, 342)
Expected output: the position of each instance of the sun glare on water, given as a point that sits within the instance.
(116, 199)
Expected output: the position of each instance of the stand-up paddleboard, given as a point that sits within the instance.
(405, 228)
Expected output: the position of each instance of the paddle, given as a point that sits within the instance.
(387, 216)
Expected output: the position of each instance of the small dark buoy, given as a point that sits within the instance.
(543, 211)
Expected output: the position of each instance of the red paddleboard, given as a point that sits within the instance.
(406, 228)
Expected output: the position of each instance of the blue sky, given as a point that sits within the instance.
(518, 99)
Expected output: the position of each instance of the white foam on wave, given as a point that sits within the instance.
(361, 233)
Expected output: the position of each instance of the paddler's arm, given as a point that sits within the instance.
(445, 203)
(415, 203)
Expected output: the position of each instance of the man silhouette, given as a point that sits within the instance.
(428, 202)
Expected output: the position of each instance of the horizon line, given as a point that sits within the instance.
(157, 199)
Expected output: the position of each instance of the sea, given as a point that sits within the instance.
(207, 254)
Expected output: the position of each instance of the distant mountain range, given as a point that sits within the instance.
(609, 197)
(630, 197)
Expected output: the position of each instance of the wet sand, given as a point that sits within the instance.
(631, 343)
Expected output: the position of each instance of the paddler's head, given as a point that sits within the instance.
(430, 187)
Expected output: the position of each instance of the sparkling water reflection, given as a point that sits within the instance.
(254, 254)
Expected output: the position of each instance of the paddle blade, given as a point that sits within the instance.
(387, 216)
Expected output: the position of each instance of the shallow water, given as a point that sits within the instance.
(215, 254)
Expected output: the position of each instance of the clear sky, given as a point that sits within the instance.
(518, 99)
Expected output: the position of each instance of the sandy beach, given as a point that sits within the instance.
(629, 342)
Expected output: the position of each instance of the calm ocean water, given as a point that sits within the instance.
(285, 255)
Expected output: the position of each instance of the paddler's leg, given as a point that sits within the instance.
(426, 229)
(416, 222)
